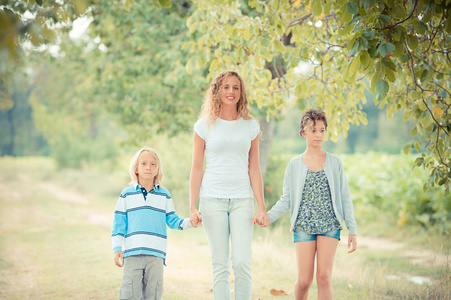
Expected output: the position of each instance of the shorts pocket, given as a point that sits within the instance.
(126, 291)
(159, 290)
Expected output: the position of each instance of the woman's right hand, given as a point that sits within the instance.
(195, 217)
(262, 219)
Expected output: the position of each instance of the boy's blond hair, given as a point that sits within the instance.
(134, 166)
(211, 106)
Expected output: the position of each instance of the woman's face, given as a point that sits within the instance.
(230, 92)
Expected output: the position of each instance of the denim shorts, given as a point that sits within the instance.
(302, 236)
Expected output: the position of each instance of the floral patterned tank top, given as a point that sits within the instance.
(316, 214)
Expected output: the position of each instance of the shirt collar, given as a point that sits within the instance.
(137, 186)
(144, 192)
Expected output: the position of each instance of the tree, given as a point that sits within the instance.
(320, 53)
(19, 135)
(27, 26)
(399, 50)
(138, 76)
(141, 76)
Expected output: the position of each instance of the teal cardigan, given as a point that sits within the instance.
(293, 187)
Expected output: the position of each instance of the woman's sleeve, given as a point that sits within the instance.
(200, 127)
(254, 130)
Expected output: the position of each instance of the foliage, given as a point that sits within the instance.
(140, 75)
(388, 184)
(398, 49)
(26, 26)
(319, 53)
(380, 134)
(380, 184)
(130, 66)
(76, 130)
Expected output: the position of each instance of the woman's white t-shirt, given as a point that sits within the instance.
(227, 145)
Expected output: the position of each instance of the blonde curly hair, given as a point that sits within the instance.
(211, 104)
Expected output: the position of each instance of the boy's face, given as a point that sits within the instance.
(147, 167)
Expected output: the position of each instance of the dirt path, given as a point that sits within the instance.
(420, 257)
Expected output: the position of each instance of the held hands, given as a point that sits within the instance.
(352, 243)
(118, 259)
(261, 218)
(195, 218)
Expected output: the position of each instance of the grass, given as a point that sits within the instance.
(55, 243)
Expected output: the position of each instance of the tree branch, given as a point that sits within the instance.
(436, 30)
(411, 64)
(299, 21)
(400, 22)
(444, 89)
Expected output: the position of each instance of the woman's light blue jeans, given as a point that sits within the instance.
(224, 219)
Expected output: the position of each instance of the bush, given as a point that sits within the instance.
(388, 182)
(76, 150)
(380, 184)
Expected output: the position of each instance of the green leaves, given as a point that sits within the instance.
(189, 66)
(353, 67)
(406, 149)
(354, 49)
(279, 46)
(399, 49)
(365, 59)
(158, 4)
(381, 89)
(412, 42)
(352, 7)
(386, 49)
(317, 8)
(368, 5)
(127, 4)
(398, 57)
(166, 3)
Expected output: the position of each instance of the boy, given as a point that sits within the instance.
(139, 236)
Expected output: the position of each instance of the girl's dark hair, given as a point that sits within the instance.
(309, 119)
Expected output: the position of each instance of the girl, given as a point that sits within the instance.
(316, 190)
(227, 136)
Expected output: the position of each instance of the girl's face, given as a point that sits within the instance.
(315, 135)
(230, 91)
(147, 167)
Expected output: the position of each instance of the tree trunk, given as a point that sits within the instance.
(268, 129)
(12, 133)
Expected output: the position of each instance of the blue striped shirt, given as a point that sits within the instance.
(139, 225)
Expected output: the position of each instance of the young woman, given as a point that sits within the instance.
(316, 191)
(227, 136)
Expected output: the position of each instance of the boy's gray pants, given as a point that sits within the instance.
(142, 278)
